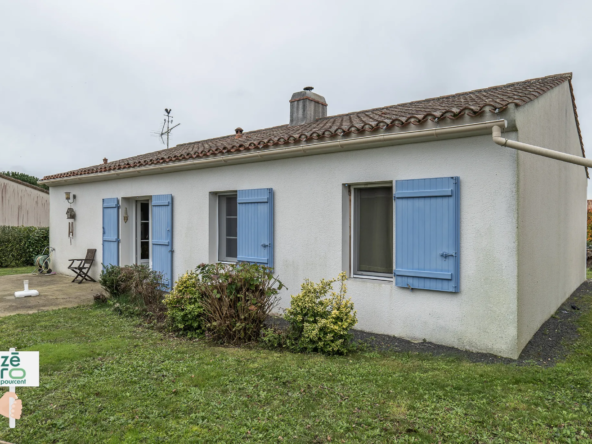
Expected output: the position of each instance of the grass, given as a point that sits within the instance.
(589, 273)
(106, 379)
(17, 270)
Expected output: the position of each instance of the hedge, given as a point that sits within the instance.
(20, 245)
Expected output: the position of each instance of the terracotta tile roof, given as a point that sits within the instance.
(471, 103)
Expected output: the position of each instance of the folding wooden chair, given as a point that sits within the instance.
(83, 267)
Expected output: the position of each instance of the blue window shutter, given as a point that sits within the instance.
(427, 227)
(111, 231)
(255, 226)
(162, 237)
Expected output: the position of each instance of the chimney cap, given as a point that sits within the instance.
(308, 88)
(238, 130)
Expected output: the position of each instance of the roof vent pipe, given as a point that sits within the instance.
(306, 107)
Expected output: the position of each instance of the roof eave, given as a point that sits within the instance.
(357, 143)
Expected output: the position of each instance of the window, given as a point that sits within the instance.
(372, 228)
(244, 223)
(143, 232)
(227, 227)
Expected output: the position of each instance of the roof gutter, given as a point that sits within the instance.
(558, 155)
(355, 143)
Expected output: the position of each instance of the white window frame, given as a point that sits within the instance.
(353, 232)
(225, 260)
(136, 233)
(134, 220)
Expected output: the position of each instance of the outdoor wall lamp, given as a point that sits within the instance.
(68, 194)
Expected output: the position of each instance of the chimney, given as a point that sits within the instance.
(306, 107)
(105, 160)
(239, 133)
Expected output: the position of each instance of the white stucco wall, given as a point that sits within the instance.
(552, 211)
(308, 194)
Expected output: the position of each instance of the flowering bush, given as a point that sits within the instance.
(320, 318)
(185, 312)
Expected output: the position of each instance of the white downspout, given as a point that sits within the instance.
(558, 155)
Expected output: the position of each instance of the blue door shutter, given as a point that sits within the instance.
(255, 226)
(111, 231)
(162, 237)
(427, 231)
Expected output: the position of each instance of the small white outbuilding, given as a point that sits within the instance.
(445, 235)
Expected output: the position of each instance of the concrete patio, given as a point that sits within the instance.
(55, 291)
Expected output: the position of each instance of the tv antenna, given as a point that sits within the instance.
(168, 120)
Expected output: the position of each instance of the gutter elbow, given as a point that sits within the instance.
(496, 135)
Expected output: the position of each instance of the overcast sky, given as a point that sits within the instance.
(83, 80)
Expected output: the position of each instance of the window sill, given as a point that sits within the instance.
(375, 279)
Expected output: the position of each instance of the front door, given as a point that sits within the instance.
(143, 232)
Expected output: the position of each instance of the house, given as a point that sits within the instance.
(22, 203)
(445, 235)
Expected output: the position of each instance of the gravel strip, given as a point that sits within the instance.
(548, 346)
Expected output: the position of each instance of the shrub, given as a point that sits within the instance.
(137, 285)
(273, 338)
(236, 299)
(20, 245)
(100, 298)
(143, 285)
(185, 312)
(320, 319)
(111, 280)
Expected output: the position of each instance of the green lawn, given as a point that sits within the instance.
(589, 273)
(17, 270)
(105, 379)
